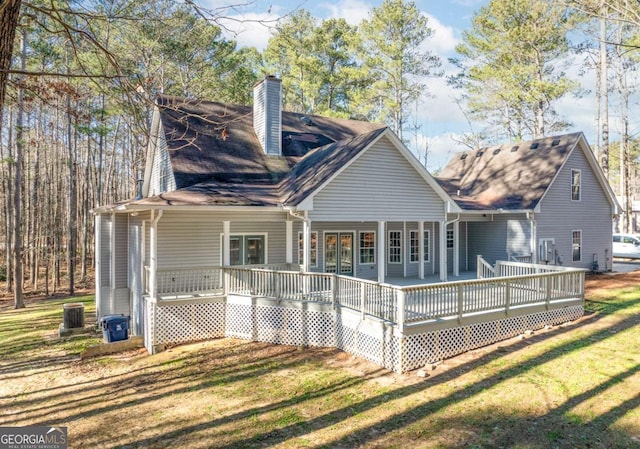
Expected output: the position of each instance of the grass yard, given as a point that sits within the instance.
(572, 386)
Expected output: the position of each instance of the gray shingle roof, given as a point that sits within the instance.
(510, 177)
(217, 159)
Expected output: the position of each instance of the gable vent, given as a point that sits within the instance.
(534, 146)
(555, 142)
(514, 149)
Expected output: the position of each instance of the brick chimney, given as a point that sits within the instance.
(267, 114)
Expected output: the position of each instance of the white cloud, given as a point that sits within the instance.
(250, 29)
(353, 11)
(444, 40)
(440, 149)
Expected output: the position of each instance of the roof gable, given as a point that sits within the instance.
(216, 158)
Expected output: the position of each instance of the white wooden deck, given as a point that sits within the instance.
(399, 324)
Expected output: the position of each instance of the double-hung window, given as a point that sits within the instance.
(367, 247)
(576, 246)
(449, 238)
(313, 250)
(414, 243)
(576, 190)
(395, 247)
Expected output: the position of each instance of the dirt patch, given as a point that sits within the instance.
(597, 282)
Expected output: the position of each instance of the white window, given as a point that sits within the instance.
(575, 185)
(415, 244)
(395, 247)
(449, 238)
(246, 249)
(576, 246)
(367, 247)
(313, 251)
(163, 179)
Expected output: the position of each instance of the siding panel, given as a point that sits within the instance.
(162, 179)
(105, 250)
(498, 237)
(380, 185)
(560, 215)
(121, 250)
(188, 239)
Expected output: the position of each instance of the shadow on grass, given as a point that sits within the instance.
(221, 367)
(398, 421)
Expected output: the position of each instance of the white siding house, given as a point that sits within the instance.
(345, 209)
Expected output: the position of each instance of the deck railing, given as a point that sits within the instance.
(484, 269)
(508, 268)
(512, 285)
(412, 304)
(460, 298)
(187, 281)
(525, 258)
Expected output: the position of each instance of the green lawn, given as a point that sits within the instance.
(574, 386)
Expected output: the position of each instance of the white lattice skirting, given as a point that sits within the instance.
(313, 324)
(430, 347)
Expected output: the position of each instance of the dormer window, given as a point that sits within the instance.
(576, 194)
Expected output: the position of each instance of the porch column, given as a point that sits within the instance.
(226, 243)
(533, 244)
(421, 249)
(405, 252)
(456, 248)
(143, 252)
(381, 252)
(306, 244)
(289, 244)
(153, 254)
(443, 250)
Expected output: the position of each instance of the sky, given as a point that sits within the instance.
(440, 118)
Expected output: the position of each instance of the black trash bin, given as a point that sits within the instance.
(115, 327)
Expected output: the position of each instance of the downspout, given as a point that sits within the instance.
(534, 247)
(306, 243)
(153, 263)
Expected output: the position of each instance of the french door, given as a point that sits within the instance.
(338, 253)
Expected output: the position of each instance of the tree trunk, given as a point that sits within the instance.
(18, 267)
(8, 212)
(604, 91)
(71, 217)
(9, 14)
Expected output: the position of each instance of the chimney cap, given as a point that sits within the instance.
(267, 78)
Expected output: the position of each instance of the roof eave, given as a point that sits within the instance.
(128, 208)
(496, 211)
